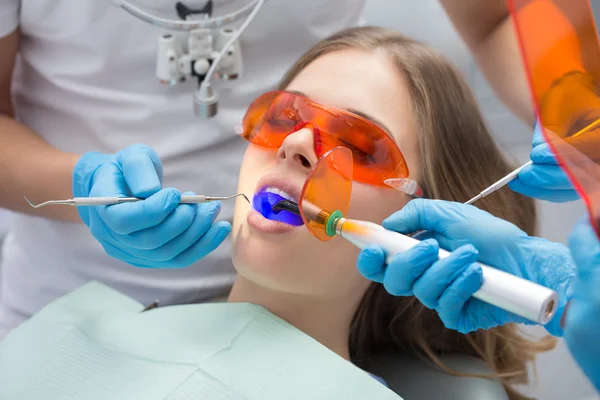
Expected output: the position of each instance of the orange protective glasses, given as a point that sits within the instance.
(377, 160)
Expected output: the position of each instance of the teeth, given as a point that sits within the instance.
(281, 193)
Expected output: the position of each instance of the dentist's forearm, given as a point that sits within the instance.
(31, 167)
(500, 61)
(487, 29)
(28, 165)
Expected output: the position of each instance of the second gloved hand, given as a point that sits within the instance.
(157, 232)
(472, 235)
(583, 314)
(544, 179)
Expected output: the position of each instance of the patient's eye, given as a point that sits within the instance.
(284, 119)
(291, 114)
(359, 155)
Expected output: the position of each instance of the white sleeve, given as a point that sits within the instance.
(9, 16)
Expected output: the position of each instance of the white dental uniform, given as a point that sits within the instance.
(85, 81)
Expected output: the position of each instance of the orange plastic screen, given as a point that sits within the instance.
(327, 189)
(559, 46)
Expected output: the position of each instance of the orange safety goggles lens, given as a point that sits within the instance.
(376, 157)
(561, 54)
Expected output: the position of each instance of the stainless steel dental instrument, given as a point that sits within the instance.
(489, 190)
(107, 201)
(499, 184)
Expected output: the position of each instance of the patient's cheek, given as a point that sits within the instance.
(375, 204)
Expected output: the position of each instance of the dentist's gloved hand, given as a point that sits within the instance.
(544, 179)
(448, 284)
(582, 328)
(157, 232)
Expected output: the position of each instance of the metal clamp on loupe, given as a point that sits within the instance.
(173, 65)
(212, 48)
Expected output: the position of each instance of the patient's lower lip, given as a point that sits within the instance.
(260, 223)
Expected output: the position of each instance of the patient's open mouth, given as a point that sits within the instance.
(270, 190)
(267, 197)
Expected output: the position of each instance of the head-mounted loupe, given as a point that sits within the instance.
(213, 48)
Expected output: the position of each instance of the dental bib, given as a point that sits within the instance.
(97, 344)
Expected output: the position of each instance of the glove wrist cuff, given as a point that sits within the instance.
(83, 177)
(84, 171)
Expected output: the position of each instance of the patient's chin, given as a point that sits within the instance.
(247, 254)
(273, 267)
(299, 270)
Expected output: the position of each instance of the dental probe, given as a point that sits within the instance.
(489, 190)
(501, 289)
(499, 184)
(107, 201)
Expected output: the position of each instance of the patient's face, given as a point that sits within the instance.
(288, 258)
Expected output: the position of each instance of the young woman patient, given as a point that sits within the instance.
(412, 94)
(404, 113)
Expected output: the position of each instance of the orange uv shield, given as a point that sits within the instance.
(327, 190)
(559, 47)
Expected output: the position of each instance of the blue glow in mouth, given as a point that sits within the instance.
(263, 202)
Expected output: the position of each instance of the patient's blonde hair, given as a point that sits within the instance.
(459, 158)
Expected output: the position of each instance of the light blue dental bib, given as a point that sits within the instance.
(96, 344)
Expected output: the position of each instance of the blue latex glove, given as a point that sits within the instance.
(448, 284)
(582, 328)
(157, 232)
(544, 179)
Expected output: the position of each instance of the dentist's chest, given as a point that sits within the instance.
(277, 20)
(93, 38)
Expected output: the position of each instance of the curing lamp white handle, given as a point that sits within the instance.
(509, 292)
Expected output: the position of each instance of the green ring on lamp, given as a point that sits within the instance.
(331, 223)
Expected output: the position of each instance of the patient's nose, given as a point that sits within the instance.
(298, 148)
